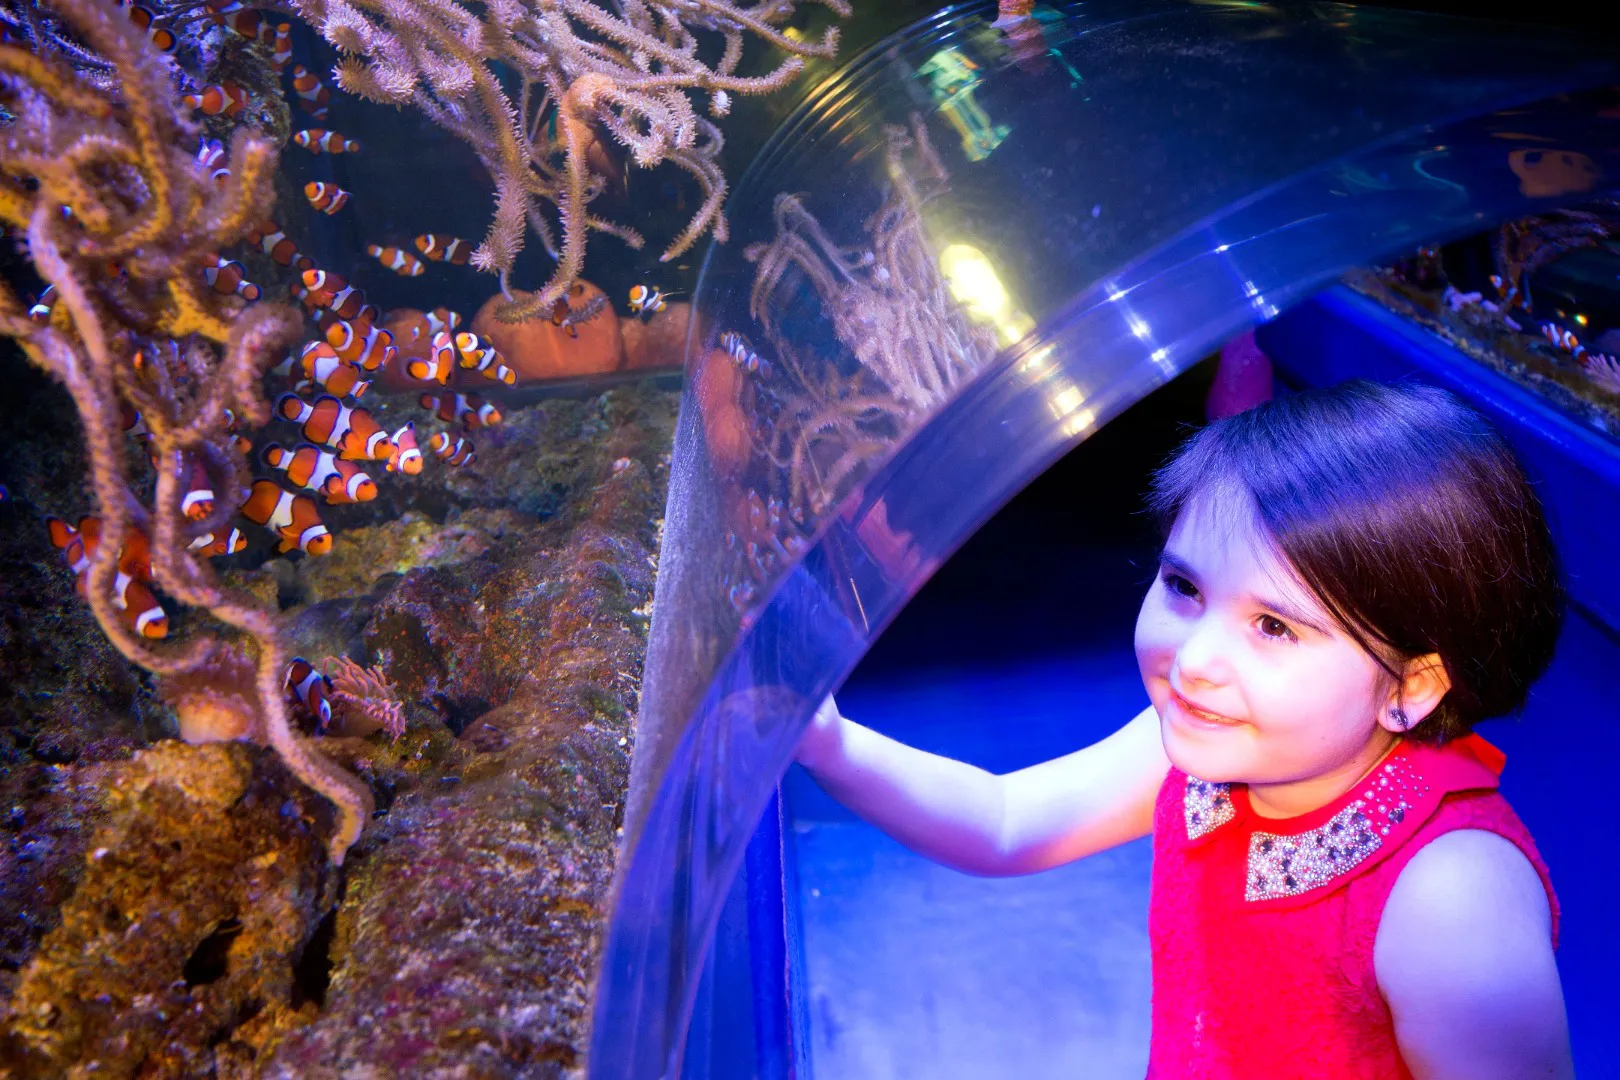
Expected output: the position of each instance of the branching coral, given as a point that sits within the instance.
(587, 71)
(889, 306)
(119, 217)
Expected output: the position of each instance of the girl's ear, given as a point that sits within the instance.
(1418, 694)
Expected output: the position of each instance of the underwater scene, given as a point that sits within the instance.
(453, 445)
(1536, 299)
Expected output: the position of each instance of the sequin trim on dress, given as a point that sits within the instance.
(1281, 866)
(1207, 806)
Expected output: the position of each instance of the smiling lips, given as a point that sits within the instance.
(1203, 715)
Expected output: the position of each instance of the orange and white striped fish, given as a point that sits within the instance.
(145, 18)
(439, 365)
(225, 543)
(274, 243)
(291, 517)
(407, 457)
(226, 277)
(140, 610)
(457, 450)
(472, 410)
(440, 248)
(485, 359)
(327, 198)
(198, 500)
(41, 310)
(352, 432)
(321, 141)
(308, 466)
(311, 91)
(310, 689)
(323, 367)
(226, 99)
(281, 46)
(334, 293)
(370, 346)
(400, 262)
(441, 320)
(211, 156)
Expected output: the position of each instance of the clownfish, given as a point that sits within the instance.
(281, 46)
(485, 359)
(742, 354)
(226, 543)
(407, 457)
(42, 308)
(441, 320)
(226, 277)
(274, 243)
(1563, 339)
(439, 365)
(141, 611)
(352, 432)
(319, 140)
(198, 501)
(311, 689)
(371, 347)
(327, 198)
(323, 367)
(311, 91)
(310, 467)
(450, 249)
(227, 99)
(145, 18)
(211, 156)
(400, 262)
(1509, 294)
(565, 316)
(334, 293)
(472, 410)
(647, 299)
(291, 517)
(457, 451)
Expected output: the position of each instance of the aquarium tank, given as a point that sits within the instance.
(455, 445)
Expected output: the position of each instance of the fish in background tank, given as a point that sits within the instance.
(343, 347)
(1536, 299)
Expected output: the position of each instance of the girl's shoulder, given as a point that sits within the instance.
(1464, 958)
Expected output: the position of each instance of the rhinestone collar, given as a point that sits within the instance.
(1386, 805)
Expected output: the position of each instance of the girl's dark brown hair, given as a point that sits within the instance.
(1410, 520)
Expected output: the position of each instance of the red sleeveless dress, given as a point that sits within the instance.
(1263, 929)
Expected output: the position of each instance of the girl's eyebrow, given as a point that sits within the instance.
(1289, 614)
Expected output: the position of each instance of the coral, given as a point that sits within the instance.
(585, 73)
(890, 309)
(1524, 245)
(202, 888)
(119, 216)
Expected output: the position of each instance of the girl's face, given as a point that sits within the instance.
(1252, 681)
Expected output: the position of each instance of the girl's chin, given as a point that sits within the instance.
(1216, 756)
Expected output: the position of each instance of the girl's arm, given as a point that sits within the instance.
(1464, 958)
(993, 826)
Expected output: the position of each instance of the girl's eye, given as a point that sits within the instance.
(1281, 631)
(1180, 586)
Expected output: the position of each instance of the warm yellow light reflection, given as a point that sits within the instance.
(976, 286)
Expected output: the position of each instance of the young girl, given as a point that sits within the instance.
(1351, 579)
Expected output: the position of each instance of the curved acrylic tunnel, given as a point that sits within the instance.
(965, 253)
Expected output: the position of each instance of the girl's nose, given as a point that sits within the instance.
(1201, 659)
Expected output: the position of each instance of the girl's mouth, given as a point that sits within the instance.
(1196, 717)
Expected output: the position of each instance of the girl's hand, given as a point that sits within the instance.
(821, 738)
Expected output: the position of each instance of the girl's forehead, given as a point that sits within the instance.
(1219, 535)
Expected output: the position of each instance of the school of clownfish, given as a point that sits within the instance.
(340, 435)
(1559, 337)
